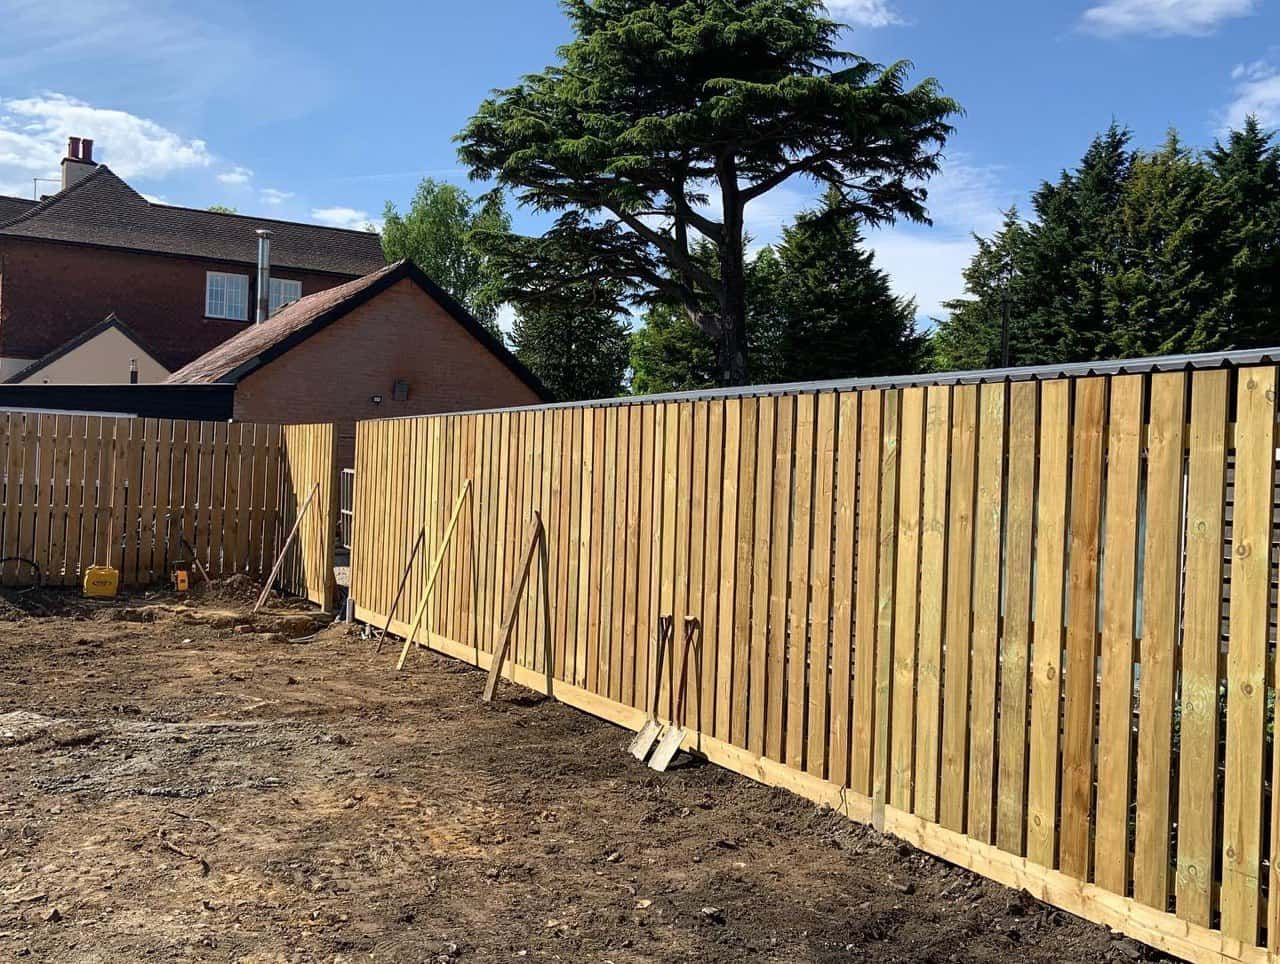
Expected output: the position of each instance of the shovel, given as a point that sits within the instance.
(671, 740)
(643, 741)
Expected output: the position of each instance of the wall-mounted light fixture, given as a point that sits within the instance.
(376, 399)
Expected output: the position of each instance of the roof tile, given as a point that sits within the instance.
(103, 209)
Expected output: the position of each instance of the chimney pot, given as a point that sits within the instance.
(78, 163)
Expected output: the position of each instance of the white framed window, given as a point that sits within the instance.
(283, 292)
(226, 296)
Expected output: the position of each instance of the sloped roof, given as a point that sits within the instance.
(107, 323)
(102, 209)
(11, 207)
(258, 345)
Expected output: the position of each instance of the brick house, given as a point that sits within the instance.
(179, 280)
(389, 344)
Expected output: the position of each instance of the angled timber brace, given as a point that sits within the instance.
(534, 539)
(463, 496)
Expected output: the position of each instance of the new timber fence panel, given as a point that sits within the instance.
(309, 463)
(145, 495)
(1027, 625)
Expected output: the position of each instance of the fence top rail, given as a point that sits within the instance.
(1125, 366)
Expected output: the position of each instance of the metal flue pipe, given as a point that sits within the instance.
(264, 275)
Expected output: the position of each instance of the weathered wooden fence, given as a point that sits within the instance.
(1025, 625)
(144, 494)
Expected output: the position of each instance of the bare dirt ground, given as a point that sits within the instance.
(180, 781)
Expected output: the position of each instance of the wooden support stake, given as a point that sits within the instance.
(275, 570)
(404, 578)
(431, 577)
(533, 536)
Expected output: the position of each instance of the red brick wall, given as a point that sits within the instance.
(51, 292)
(401, 333)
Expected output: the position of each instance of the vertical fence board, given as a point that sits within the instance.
(759, 714)
(1079, 680)
(984, 664)
(843, 599)
(906, 595)
(1015, 646)
(1051, 508)
(1198, 729)
(820, 581)
(1119, 575)
(958, 614)
(779, 566)
(801, 542)
(1161, 564)
(1247, 652)
(933, 568)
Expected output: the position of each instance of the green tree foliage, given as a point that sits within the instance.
(1133, 253)
(578, 346)
(817, 307)
(222, 209)
(665, 118)
(669, 353)
(835, 313)
(439, 234)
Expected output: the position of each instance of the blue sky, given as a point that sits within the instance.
(323, 112)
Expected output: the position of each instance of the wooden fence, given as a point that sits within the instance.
(1024, 625)
(142, 495)
(310, 466)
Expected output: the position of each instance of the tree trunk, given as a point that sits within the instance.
(731, 343)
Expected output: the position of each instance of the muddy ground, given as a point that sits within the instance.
(180, 781)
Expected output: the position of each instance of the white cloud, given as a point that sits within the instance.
(1163, 18)
(340, 217)
(271, 195)
(1257, 91)
(237, 175)
(925, 267)
(34, 132)
(864, 13)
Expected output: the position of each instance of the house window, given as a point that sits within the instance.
(283, 292)
(226, 296)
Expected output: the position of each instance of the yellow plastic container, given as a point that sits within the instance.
(180, 580)
(101, 582)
